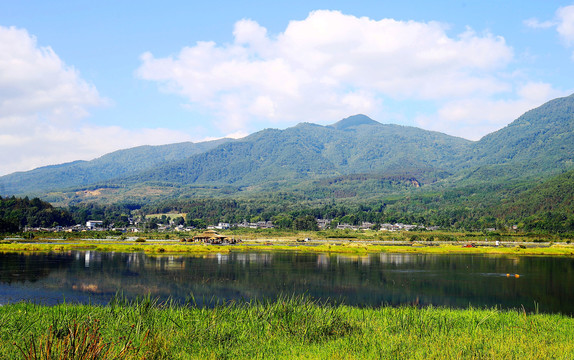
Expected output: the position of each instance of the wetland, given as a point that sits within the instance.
(534, 283)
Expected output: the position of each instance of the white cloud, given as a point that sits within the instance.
(329, 66)
(563, 22)
(565, 25)
(43, 103)
(49, 144)
(34, 83)
(536, 24)
(472, 118)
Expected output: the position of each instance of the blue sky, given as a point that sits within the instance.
(79, 79)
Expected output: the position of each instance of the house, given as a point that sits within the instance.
(346, 227)
(92, 224)
(265, 225)
(223, 226)
(365, 225)
(257, 225)
(323, 223)
(210, 237)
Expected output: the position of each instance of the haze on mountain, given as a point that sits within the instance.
(113, 165)
(352, 151)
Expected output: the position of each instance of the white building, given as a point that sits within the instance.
(92, 224)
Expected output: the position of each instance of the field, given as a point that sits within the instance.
(289, 328)
(167, 215)
(156, 246)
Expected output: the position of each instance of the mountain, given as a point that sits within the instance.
(353, 121)
(356, 156)
(540, 141)
(309, 151)
(113, 165)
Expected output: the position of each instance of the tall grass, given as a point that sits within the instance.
(75, 341)
(333, 247)
(288, 328)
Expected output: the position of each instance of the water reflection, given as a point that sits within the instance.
(367, 280)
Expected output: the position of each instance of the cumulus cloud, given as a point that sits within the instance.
(50, 144)
(43, 103)
(565, 25)
(472, 118)
(563, 22)
(34, 83)
(329, 66)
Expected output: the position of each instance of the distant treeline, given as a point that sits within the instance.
(16, 213)
(543, 207)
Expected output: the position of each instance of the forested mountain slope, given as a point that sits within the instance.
(356, 155)
(541, 140)
(546, 206)
(116, 164)
(308, 151)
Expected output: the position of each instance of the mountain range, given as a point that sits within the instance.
(356, 156)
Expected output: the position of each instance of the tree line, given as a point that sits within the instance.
(17, 213)
(469, 208)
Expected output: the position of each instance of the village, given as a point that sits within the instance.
(136, 227)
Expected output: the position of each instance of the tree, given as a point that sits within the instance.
(8, 226)
(198, 223)
(282, 221)
(153, 224)
(307, 222)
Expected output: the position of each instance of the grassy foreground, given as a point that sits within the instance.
(289, 328)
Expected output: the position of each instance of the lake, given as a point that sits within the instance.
(535, 283)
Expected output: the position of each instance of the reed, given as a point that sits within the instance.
(292, 327)
(175, 247)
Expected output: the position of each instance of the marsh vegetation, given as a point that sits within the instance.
(289, 328)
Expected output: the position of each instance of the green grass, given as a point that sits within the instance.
(292, 235)
(289, 328)
(168, 215)
(175, 247)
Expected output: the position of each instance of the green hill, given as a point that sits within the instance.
(309, 151)
(356, 157)
(113, 165)
(546, 206)
(541, 140)
(353, 121)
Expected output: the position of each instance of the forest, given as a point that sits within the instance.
(545, 207)
(17, 213)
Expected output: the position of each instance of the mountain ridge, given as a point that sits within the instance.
(353, 121)
(106, 167)
(538, 143)
(308, 151)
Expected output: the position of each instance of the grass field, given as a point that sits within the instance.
(289, 328)
(353, 247)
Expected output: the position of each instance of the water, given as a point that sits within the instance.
(545, 284)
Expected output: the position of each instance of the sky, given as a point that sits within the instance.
(79, 79)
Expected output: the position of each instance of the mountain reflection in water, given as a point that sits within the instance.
(543, 283)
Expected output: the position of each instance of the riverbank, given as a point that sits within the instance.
(343, 247)
(289, 328)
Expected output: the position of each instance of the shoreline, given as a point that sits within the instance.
(316, 246)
